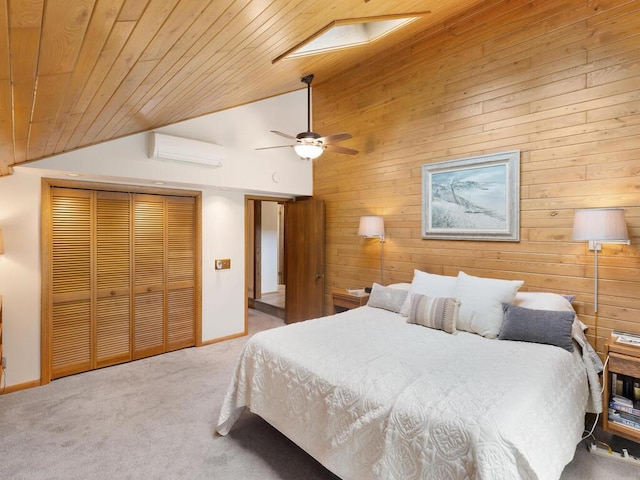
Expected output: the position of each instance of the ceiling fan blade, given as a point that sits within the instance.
(339, 149)
(285, 135)
(275, 146)
(335, 138)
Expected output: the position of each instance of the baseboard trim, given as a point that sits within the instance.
(21, 386)
(222, 339)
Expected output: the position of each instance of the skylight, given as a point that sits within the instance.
(349, 33)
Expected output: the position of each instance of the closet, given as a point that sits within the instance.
(122, 277)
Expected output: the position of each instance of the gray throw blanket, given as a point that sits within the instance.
(593, 366)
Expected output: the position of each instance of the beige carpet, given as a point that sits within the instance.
(155, 418)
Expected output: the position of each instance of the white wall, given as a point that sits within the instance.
(20, 276)
(269, 250)
(239, 130)
(223, 291)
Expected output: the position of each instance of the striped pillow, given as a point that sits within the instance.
(440, 313)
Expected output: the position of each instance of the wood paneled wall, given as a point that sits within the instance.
(560, 81)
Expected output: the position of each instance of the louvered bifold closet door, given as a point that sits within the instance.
(149, 274)
(122, 277)
(113, 272)
(71, 237)
(181, 244)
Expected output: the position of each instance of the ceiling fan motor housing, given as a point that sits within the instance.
(308, 136)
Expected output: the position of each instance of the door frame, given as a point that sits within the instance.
(46, 274)
(248, 233)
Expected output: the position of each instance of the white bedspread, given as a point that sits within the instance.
(372, 397)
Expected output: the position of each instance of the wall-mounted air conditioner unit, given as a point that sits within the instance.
(180, 149)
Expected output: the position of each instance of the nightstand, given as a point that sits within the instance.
(624, 360)
(343, 300)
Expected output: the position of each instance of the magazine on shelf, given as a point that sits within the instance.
(625, 409)
(627, 402)
(626, 338)
(358, 292)
(628, 416)
(617, 417)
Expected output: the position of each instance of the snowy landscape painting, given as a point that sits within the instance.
(472, 198)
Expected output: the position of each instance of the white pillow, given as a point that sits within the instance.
(481, 302)
(542, 301)
(431, 285)
(546, 301)
(400, 286)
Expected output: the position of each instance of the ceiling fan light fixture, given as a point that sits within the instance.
(308, 151)
(310, 145)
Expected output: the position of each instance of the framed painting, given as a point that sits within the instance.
(476, 198)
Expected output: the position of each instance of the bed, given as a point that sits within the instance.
(371, 394)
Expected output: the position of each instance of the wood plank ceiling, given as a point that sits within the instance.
(79, 72)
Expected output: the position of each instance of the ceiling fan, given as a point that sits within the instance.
(310, 145)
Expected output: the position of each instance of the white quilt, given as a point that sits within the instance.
(372, 397)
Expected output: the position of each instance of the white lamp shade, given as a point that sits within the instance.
(308, 151)
(603, 225)
(1, 243)
(371, 226)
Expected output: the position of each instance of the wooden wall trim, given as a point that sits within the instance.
(198, 268)
(119, 187)
(45, 281)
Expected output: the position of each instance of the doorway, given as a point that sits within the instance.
(266, 290)
(301, 266)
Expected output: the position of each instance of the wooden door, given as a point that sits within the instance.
(122, 277)
(113, 278)
(181, 272)
(71, 278)
(304, 252)
(149, 275)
